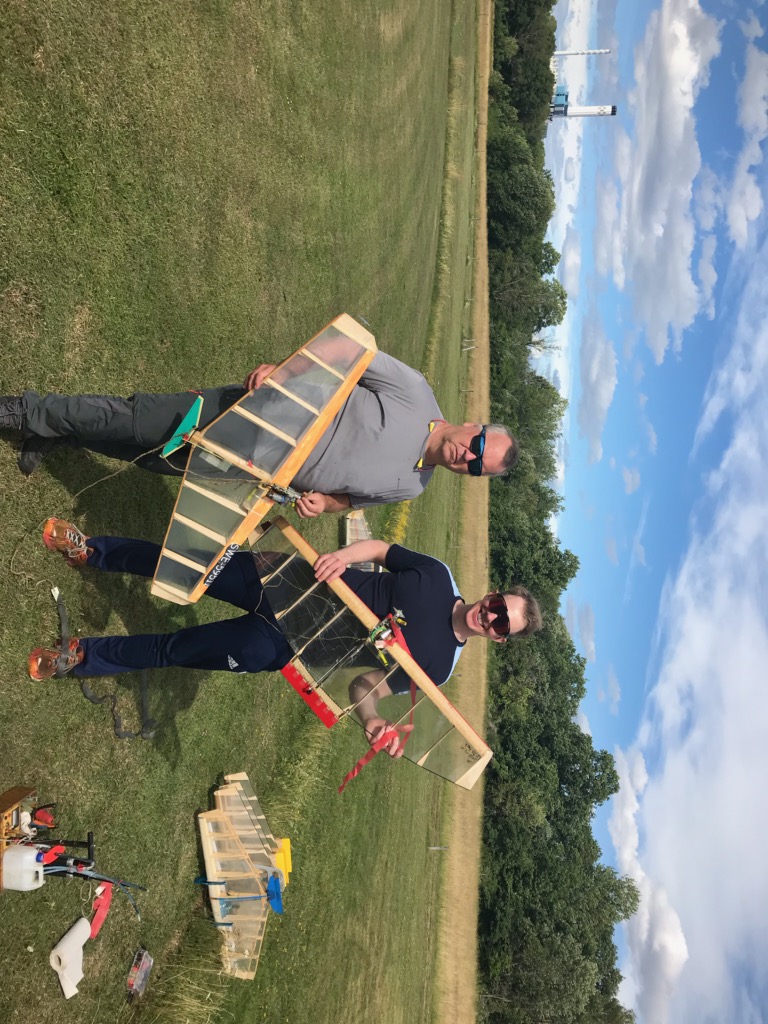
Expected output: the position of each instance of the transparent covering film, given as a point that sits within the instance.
(309, 385)
(260, 448)
(240, 857)
(336, 657)
(335, 349)
(179, 577)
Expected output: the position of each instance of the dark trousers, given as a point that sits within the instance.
(252, 642)
(123, 428)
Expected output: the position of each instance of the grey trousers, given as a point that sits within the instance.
(123, 428)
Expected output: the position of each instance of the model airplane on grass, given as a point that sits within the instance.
(246, 871)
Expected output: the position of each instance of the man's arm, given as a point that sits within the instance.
(330, 566)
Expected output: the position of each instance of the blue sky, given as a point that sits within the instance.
(661, 221)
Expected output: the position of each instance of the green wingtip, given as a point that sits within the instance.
(184, 429)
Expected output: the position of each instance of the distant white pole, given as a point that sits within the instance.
(577, 53)
(590, 111)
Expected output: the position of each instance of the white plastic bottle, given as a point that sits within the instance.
(21, 868)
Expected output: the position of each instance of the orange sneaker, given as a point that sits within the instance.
(45, 662)
(64, 537)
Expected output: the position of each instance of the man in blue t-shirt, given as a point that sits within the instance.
(438, 620)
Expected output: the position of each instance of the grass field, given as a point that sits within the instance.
(187, 190)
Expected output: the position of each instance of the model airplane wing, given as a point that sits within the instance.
(239, 462)
(329, 629)
(246, 871)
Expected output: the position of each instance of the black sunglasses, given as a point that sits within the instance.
(498, 606)
(477, 447)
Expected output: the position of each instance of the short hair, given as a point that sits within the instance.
(534, 620)
(512, 453)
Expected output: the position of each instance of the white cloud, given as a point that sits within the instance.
(583, 722)
(586, 617)
(751, 27)
(569, 169)
(631, 479)
(638, 553)
(569, 268)
(655, 936)
(689, 821)
(598, 372)
(745, 202)
(656, 170)
(709, 198)
(707, 274)
(570, 616)
(653, 440)
(609, 258)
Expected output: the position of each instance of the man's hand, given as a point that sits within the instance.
(330, 566)
(395, 746)
(314, 503)
(257, 377)
(310, 505)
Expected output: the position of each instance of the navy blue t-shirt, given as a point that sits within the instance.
(423, 589)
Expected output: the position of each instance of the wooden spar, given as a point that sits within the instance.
(214, 496)
(199, 528)
(325, 366)
(305, 594)
(227, 455)
(414, 670)
(290, 394)
(269, 427)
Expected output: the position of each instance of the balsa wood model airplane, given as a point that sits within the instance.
(246, 871)
(243, 462)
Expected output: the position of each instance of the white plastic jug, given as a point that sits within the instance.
(21, 869)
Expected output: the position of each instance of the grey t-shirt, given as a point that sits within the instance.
(370, 450)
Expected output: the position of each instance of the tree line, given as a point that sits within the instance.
(549, 907)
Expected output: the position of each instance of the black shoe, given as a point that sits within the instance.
(11, 412)
(34, 450)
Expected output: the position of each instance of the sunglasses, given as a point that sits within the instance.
(477, 447)
(497, 606)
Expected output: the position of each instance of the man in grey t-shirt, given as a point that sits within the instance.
(381, 447)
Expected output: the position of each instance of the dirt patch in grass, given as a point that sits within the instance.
(456, 987)
(19, 312)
